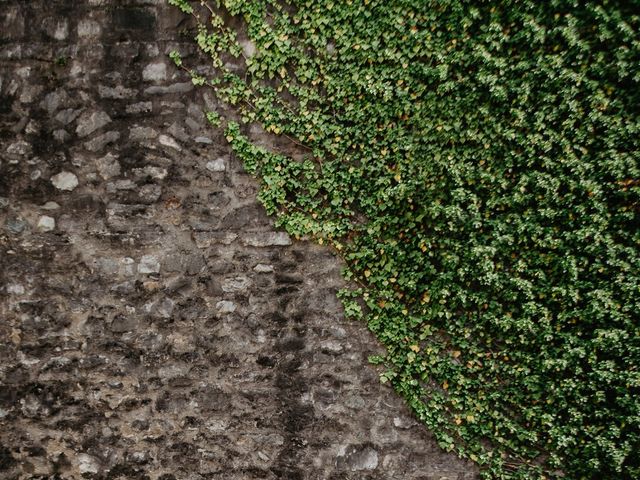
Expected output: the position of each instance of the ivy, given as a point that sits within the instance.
(476, 164)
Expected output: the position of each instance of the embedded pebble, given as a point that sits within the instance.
(155, 72)
(226, 306)
(149, 264)
(46, 223)
(65, 181)
(90, 122)
(216, 165)
(262, 268)
(15, 225)
(167, 141)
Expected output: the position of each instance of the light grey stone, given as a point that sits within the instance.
(87, 464)
(139, 134)
(263, 268)
(54, 100)
(89, 122)
(19, 149)
(46, 223)
(225, 306)
(168, 141)
(206, 239)
(235, 284)
(267, 239)
(248, 48)
(163, 308)
(61, 135)
(359, 457)
(155, 72)
(15, 289)
(50, 206)
(140, 107)
(56, 28)
(157, 173)
(89, 29)
(149, 264)
(124, 184)
(217, 165)
(65, 117)
(118, 92)
(101, 141)
(108, 166)
(178, 132)
(174, 88)
(66, 181)
(149, 193)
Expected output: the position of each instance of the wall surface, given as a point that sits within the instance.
(153, 323)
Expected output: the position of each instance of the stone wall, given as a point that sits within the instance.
(153, 324)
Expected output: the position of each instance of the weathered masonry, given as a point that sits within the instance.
(153, 324)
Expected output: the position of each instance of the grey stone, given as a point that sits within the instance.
(46, 223)
(89, 29)
(56, 28)
(167, 141)
(155, 72)
(87, 464)
(137, 108)
(101, 141)
(205, 240)
(4, 202)
(66, 181)
(149, 264)
(235, 284)
(122, 184)
(19, 149)
(179, 132)
(157, 173)
(139, 134)
(248, 48)
(50, 206)
(163, 308)
(267, 239)
(124, 323)
(55, 100)
(61, 135)
(118, 92)
(359, 457)
(149, 193)
(65, 117)
(262, 268)
(217, 165)
(15, 289)
(226, 306)
(195, 264)
(108, 166)
(193, 125)
(175, 88)
(89, 122)
(15, 225)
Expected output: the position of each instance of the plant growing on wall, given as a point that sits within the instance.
(476, 164)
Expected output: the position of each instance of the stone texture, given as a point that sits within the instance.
(46, 223)
(65, 181)
(155, 72)
(163, 329)
(216, 165)
(89, 122)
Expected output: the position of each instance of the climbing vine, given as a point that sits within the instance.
(476, 164)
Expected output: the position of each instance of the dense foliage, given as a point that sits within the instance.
(477, 166)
